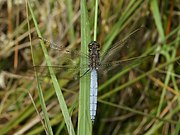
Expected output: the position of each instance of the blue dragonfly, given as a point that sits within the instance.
(102, 63)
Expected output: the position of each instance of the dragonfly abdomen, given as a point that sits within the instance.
(93, 94)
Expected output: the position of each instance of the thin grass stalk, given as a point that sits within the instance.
(57, 88)
(41, 97)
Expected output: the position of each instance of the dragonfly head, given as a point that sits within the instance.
(94, 45)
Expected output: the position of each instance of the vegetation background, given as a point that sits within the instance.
(134, 99)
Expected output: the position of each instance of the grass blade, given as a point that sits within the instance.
(41, 97)
(84, 117)
(58, 91)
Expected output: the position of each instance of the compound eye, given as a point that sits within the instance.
(94, 44)
(98, 45)
(90, 45)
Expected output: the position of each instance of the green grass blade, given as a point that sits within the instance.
(70, 16)
(158, 22)
(58, 91)
(157, 18)
(41, 97)
(84, 117)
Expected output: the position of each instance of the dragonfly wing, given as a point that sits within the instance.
(64, 58)
(108, 66)
(125, 48)
(61, 71)
(71, 51)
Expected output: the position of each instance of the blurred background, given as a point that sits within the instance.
(141, 97)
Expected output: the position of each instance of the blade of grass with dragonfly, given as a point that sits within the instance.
(83, 116)
(58, 91)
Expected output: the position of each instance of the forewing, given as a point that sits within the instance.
(125, 48)
(125, 52)
(64, 60)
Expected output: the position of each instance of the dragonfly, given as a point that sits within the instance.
(94, 66)
(105, 62)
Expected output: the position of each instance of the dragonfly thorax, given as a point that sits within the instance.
(94, 56)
